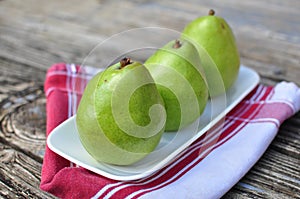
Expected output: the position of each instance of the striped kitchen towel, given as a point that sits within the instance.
(208, 168)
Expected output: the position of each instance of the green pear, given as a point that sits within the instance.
(121, 115)
(178, 75)
(219, 54)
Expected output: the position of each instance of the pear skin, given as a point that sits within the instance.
(216, 43)
(180, 81)
(121, 116)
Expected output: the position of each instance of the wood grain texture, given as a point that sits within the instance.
(36, 34)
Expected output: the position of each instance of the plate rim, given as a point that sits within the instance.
(169, 158)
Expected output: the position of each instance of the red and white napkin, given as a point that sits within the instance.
(208, 168)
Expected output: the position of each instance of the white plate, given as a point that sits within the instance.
(64, 139)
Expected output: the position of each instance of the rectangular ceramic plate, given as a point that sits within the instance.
(64, 139)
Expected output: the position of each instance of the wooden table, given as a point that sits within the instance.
(35, 34)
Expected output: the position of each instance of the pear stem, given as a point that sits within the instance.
(124, 62)
(177, 44)
(211, 12)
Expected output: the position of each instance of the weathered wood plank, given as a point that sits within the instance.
(24, 129)
(276, 55)
(22, 108)
(19, 175)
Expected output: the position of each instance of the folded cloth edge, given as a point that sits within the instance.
(293, 94)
